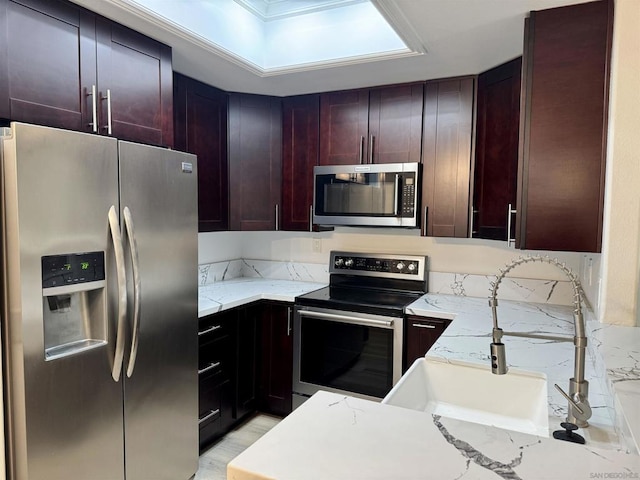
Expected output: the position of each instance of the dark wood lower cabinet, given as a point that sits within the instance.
(246, 356)
(216, 375)
(420, 333)
(276, 358)
(245, 365)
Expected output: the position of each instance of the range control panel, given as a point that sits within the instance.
(398, 266)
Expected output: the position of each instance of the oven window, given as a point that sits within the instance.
(348, 357)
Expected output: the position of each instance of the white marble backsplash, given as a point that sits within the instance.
(555, 292)
(303, 272)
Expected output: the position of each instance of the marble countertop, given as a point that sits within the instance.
(336, 437)
(613, 364)
(236, 292)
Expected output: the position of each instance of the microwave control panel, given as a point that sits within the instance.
(408, 196)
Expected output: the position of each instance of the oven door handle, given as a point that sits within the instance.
(367, 322)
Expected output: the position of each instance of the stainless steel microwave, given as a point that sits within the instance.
(378, 195)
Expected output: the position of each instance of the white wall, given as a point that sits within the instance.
(621, 240)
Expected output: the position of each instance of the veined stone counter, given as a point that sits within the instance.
(219, 296)
(336, 437)
(612, 367)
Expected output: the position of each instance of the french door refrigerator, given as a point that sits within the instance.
(99, 307)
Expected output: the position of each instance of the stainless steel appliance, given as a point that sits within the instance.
(384, 195)
(99, 302)
(347, 337)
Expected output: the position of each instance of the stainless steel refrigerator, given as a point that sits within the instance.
(99, 307)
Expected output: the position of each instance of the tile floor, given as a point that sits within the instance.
(213, 462)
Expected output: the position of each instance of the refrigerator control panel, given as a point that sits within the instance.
(72, 268)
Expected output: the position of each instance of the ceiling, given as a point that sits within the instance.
(459, 37)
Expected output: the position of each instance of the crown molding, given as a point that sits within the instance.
(401, 25)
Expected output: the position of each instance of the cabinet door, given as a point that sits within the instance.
(201, 129)
(276, 359)
(496, 165)
(344, 118)
(135, 84)
(255, 163)
(446, 157)
(564, 124)
(47, 63)
(420, 335)
(300, 136)
(246, 356)
(395, 124)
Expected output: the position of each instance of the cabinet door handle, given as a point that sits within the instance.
(371, 148)
(108, 99)
(288, 321)
(210, 329)
(311, 218)
(209, 367)
(94, 109)
(277, 219)
(471, 221)
(422, 325)
(424, 226)
(361, 154)
(510, 211)
(212, 413)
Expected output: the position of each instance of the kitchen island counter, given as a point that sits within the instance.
(336, 437)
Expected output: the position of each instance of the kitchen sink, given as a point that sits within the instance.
(469, 391)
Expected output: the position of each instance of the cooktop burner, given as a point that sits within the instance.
(370, 283)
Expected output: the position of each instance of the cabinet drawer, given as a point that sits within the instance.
(215, 410)
(216, 326)
(216, 358)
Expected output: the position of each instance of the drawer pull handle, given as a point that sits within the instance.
(210, 329)
(422, 325)
(210, 367)
(212, 413)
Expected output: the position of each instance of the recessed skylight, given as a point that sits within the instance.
(276, 36)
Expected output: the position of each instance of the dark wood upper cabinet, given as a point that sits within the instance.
(446, 156)
(255, 161)
(47, 63)
(395, 124)
(344, 128)
(563, 127)
(135, 85)
(201, 129)
(378, 125)
(54, 54)
(496, 163)
(300, 138)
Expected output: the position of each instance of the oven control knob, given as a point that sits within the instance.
(339, 262)
(412, 267)
(400, 266)
(348, 262)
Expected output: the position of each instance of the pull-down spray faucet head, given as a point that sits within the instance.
(579, 410)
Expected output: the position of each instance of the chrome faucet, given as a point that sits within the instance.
(579, 409)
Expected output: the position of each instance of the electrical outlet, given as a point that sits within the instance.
(317, 245)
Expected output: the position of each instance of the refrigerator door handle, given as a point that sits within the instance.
(133, 249)
(118, 251)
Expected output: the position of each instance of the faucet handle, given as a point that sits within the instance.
(580, 404)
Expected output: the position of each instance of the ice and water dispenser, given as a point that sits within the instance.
(73, 303)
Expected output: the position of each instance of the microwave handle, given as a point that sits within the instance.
(398, 193)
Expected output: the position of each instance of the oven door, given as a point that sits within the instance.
(345, 352)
